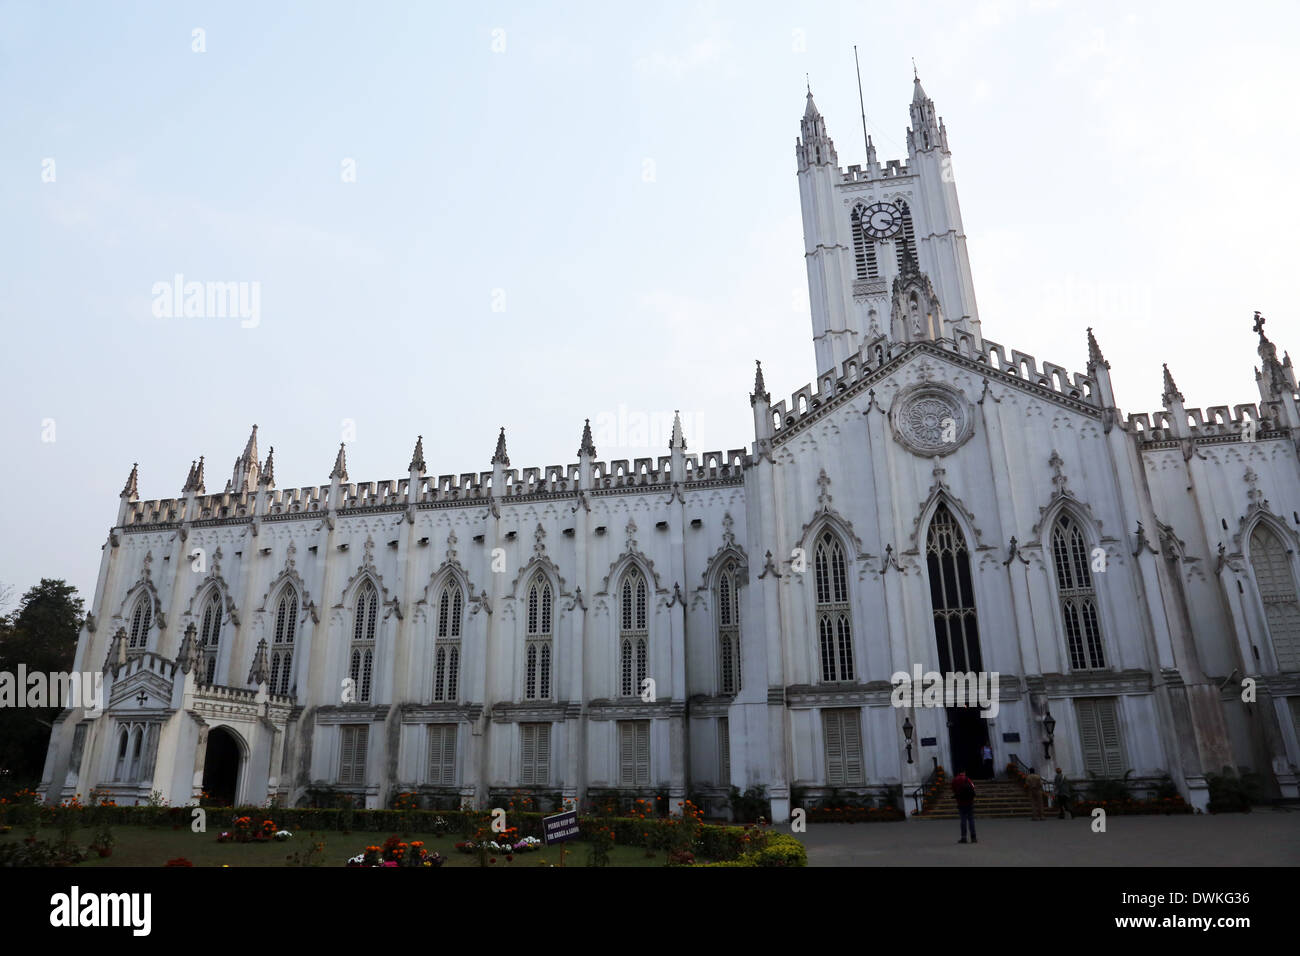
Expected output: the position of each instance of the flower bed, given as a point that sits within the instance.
(396, 852)
(252, 824)
(1165, 805)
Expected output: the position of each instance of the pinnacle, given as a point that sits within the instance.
(760, 387)
(587, 446)
(417, 458)
(499, 456)
(678, 440)
(132, 489)
(340, 465)
(250, 449)
(267, 476)
(1095, 358)
(1171, 390)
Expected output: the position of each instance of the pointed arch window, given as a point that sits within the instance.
(282, 640)
(141, 621)
(446, 652)
(834, 618)
(364, 621)
(952, 596)
(1070, 554)
(634, 637)
(123, 742)
(537, 640)
(864, 247)
(210, 637)
(728, 631)
(906, 238)
(1277, 591)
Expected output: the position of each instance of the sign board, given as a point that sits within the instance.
(560, 827)
(1011, 738)
(929, 741)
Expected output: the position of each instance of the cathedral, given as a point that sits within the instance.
(687, 623)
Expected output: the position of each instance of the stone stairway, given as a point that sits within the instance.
(993, 799)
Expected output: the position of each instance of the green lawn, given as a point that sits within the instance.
(147, 846)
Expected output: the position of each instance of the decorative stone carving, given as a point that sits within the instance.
(931, 418)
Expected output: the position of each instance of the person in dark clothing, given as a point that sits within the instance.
(964, 792)
(1062, 795)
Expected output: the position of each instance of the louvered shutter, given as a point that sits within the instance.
(449, 754)
(435, 754)
(834, 747)
(348, 756)
(643, 752)
(542, 769)
(1090, 737)
(528, 748)
(359, 758)
(1112, 751)
(724, 750)
(851, 725)
(627, 752)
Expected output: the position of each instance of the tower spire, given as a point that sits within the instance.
(500, 454)
(189, 479)
(927, 130)
(814, 147)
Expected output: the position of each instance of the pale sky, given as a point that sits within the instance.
(619, 182)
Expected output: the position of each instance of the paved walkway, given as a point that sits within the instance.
(1261, 838)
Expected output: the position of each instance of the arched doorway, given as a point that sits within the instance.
(956, 632)
(221, 767)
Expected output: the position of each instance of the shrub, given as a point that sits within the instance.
(778, 849)
(1230, 793)
(1109, 789)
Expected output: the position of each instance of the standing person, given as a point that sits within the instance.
(1034, 784)
(1062, 795)
(964, 791)
(987, 755)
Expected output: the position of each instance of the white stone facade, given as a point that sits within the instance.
(689, 623)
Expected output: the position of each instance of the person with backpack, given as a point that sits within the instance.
(964, 792)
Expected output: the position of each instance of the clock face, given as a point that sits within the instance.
(882, 220)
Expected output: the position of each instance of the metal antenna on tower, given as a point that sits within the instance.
(866, 142)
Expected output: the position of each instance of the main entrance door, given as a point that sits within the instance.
(956, 633)
(221, 767)
(968, 732)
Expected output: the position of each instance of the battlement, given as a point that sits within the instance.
(893, 169)
(467, 487)
(1215, 422)
(870, 361)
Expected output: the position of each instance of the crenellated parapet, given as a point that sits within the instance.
(1244, 422)
(879, 358)
(467, 488)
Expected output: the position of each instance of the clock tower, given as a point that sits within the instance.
(873, 231)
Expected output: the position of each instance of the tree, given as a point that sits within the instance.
(41, 635)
